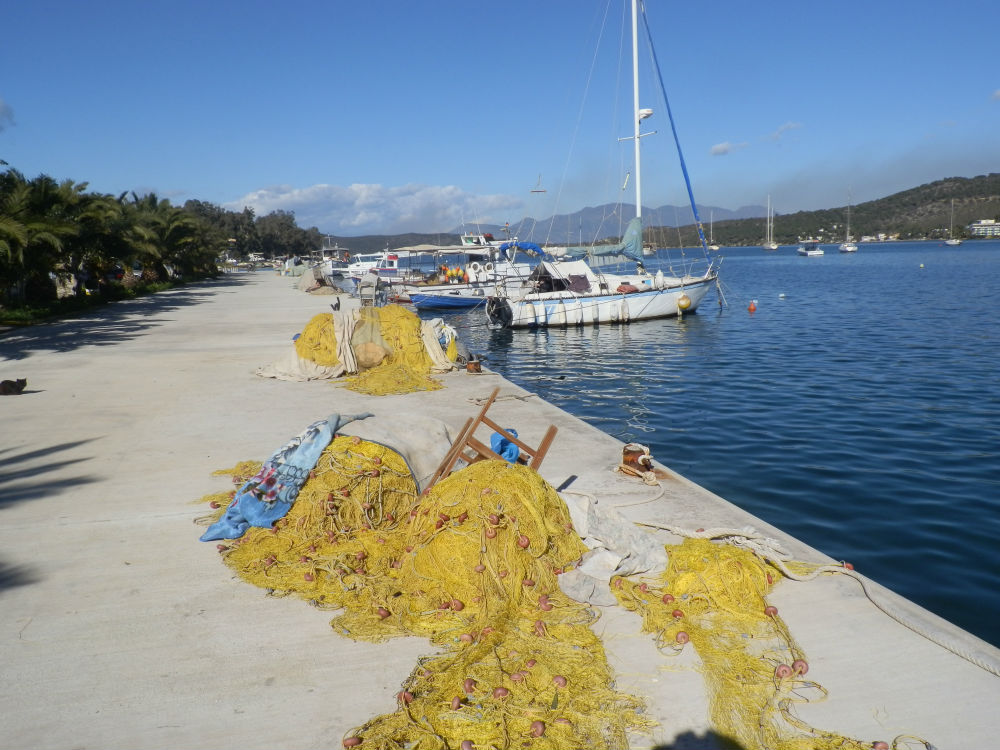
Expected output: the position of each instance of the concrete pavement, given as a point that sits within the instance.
(118, 629)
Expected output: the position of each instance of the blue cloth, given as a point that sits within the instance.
(267, 496)
(503, 447)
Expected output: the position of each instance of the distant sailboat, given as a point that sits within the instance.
(848, 245)
(769, 243)
(952, 240)
(711, 231)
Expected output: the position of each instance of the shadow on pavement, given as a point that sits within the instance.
(111, 324)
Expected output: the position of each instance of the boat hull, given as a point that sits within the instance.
(563, 309)
(454, 300)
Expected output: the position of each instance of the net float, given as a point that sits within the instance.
(782, 671)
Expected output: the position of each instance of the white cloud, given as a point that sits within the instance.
(376, 209)
(782, 129)
(6, 115)
(721, 149)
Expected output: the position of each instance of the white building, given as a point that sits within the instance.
(984, 228)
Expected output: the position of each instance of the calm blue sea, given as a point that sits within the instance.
(858, 408)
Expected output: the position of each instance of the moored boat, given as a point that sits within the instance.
(809, 248)
(574, 292)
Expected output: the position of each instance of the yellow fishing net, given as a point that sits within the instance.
(713, 596)
(318, 342)
(472, 566)
(388, 345)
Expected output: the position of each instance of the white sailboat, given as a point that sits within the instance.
(572, 292)
(769, 243)
(711, 231)
(952, 241)
(848, 245)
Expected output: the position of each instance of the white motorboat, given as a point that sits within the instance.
(575, 291)
(809, 248)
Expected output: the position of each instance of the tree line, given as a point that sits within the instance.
(923, 212)
(57, 234)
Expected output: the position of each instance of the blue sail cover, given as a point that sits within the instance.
(630, 247)
(528, 247)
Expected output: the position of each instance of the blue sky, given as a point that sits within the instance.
(388, 117)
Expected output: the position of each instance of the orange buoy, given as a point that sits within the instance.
(753, 306)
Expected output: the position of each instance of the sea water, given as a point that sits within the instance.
(857, 408)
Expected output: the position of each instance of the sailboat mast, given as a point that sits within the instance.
(635, 116)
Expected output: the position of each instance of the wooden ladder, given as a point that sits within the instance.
(469, 449)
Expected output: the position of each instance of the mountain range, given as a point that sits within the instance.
(921, 212)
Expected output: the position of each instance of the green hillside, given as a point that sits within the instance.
(919, 213)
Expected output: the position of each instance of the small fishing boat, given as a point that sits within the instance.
(809, 248)
(391, 265)
(465, 274)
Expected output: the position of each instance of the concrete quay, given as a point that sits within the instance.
(119, 629)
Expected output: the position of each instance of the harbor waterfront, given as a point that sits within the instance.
(119, 629)
(858, 407)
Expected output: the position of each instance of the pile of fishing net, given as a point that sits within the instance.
(471, 565)
(712, 596)
(385, 349)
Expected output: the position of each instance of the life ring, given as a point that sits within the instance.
(474, 267)
(488, 268)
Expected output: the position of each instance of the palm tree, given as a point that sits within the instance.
(33, 226)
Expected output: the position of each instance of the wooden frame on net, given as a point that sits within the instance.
(469, 449)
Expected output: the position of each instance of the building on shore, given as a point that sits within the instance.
(984, 228)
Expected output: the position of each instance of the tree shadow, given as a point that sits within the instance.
(113, 323)
(23, 476)
(710, 740)
(12, 576)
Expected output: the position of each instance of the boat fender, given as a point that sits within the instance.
(683, 302)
